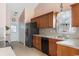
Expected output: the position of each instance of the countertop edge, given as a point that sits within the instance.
(67, 45)
(59, 42)
(50, 37)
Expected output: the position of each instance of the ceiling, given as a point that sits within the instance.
(18, 7)
(53, 6)
(12, 7)
(44, 8)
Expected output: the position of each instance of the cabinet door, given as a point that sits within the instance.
(45, 21)
(34, 41)
(41, 22)
(38, 22)
(66, 51)
(53, 47)
(50, 19)
(33, 20)
(37, 42)
(75, 15)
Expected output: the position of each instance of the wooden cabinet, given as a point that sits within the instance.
(37, 20)
(66, 51)
(44, 21)
(75, 15)
(41, 22)
(50, 20)
(37, 42)
(53, 47)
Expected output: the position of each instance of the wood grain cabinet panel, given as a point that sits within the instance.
(47, 21)
(51, 19)
(34, 41)
(37, 42)
(33, 20)
(66, 51)
(75, 15)
(38, 22)
(53, 47)
(44, 21)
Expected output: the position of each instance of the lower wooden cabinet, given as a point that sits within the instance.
(53, 47)
(66, 51)
(37, 42)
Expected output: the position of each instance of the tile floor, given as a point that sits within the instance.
(21, 50)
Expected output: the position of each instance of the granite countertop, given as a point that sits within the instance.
(50, 36)
(74, 43)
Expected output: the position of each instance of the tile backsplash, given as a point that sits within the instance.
(74, 32)
(47, 31)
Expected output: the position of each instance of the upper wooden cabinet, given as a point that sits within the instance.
(44, 21)
(36, 20)
(75, 15)
(50, 20)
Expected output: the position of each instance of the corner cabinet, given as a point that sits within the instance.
(53, 47)
(75, 15)
(66, 51)
(44, 21)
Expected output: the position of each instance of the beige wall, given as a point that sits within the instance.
(29, 13)
(2, 19)
(2, 14)
(21, 28)
(43, 8)
(29, 7)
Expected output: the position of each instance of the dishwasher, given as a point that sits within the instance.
(45, 45)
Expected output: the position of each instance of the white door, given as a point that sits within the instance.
(14, 31)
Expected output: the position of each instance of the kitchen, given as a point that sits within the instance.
(47, 29)
(57, 39)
